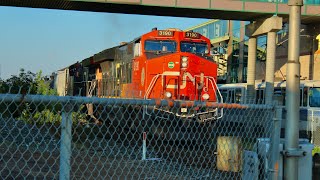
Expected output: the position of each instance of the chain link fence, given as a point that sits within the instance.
(314, 126)
(103, 138)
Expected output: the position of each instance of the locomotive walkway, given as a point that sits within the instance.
(247, 10)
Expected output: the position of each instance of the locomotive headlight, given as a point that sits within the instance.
(184, 64)
(205, 96)
(184, 59)
(168, 94)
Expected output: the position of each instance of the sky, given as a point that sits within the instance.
(49, 40)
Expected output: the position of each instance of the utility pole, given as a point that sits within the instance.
(292, 152)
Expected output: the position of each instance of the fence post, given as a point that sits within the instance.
(144, 146)
(65, 143)
(275, 152)
(292, 92)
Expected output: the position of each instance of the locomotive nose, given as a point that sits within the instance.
(189, 62)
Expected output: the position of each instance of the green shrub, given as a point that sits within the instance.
(315, 150)
(38, 113)
(47, 116)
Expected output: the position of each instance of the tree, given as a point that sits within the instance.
(33, 112)
(21, 84)
(43, 86)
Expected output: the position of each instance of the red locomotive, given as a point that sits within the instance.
(163, 64)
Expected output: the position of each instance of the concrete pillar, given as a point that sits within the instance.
(316, 59)
(241, 54)
(270, 66)
(252, 58)
(318, 38)
(268, 26)
(311, 60)
(229, 51)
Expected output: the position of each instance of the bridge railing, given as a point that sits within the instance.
(305, 2)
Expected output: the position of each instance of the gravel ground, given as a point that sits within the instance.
(28, 136)
(30, 152)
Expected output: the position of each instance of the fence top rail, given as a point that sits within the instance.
(124, 101)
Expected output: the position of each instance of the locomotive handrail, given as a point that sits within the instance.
(209, 78)
(91, 88)
(90, 105)
(213, 83)
(221, 114)
(153, 81)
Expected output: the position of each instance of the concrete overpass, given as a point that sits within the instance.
(247, 10)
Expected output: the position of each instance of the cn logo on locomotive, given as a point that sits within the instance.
(184, 81)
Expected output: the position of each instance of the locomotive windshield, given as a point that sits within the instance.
(193, 47)
(152, 45)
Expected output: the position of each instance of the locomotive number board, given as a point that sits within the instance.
(165, 33)
(192, 35)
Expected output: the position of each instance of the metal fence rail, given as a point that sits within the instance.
(87, 138)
